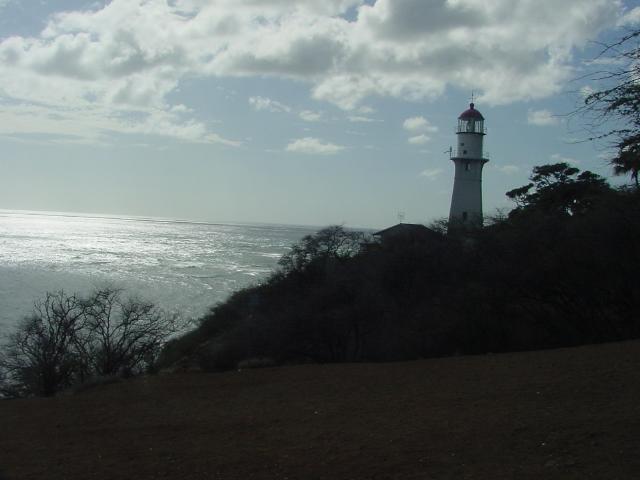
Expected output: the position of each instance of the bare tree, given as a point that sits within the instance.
(614, 107)
(123, 335)
(70, 339)
(41, 357)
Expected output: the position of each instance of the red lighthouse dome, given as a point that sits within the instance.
(471, 114)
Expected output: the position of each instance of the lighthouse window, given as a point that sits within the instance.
(465, 152)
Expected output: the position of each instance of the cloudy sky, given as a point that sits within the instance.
(287, 111)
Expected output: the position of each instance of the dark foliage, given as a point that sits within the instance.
(333, 242)
(558, 271)
(559, 189)
(71, 340)
(40, 356)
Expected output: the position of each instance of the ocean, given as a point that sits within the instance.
(183, 267)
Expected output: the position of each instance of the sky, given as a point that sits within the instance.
(307, 112)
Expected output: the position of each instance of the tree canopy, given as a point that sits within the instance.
(333, 242)
(558, 189)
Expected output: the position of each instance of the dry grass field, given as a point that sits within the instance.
(559, 414)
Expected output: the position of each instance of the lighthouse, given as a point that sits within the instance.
(466, 201)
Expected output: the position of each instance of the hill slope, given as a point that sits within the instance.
(569, 413)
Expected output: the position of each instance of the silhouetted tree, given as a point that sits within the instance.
(70, 339)
(627, 161)
(41, 356)
(122, 336)
(334, 242)
(560, 189)
(615, 106)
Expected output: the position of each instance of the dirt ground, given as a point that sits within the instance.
(560, 414)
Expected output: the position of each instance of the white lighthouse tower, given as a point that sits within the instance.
(466, 201)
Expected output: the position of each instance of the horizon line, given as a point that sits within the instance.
(144, 218)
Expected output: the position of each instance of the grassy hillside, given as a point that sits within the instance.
(557, 414)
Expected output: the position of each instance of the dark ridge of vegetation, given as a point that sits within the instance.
(559, 270)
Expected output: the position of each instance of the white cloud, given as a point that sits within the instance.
(419, 139)
(419, 124)
(586, 91)
(93, 125)
(542, 118)
(366, 110)
(607, 156)
(361, 119)
(631, 18)
(431, 173)
(310, 116)
(263, 103)
(313, 146)
(130, 55)
(557, 158)
(508, 169)
(181, 109)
